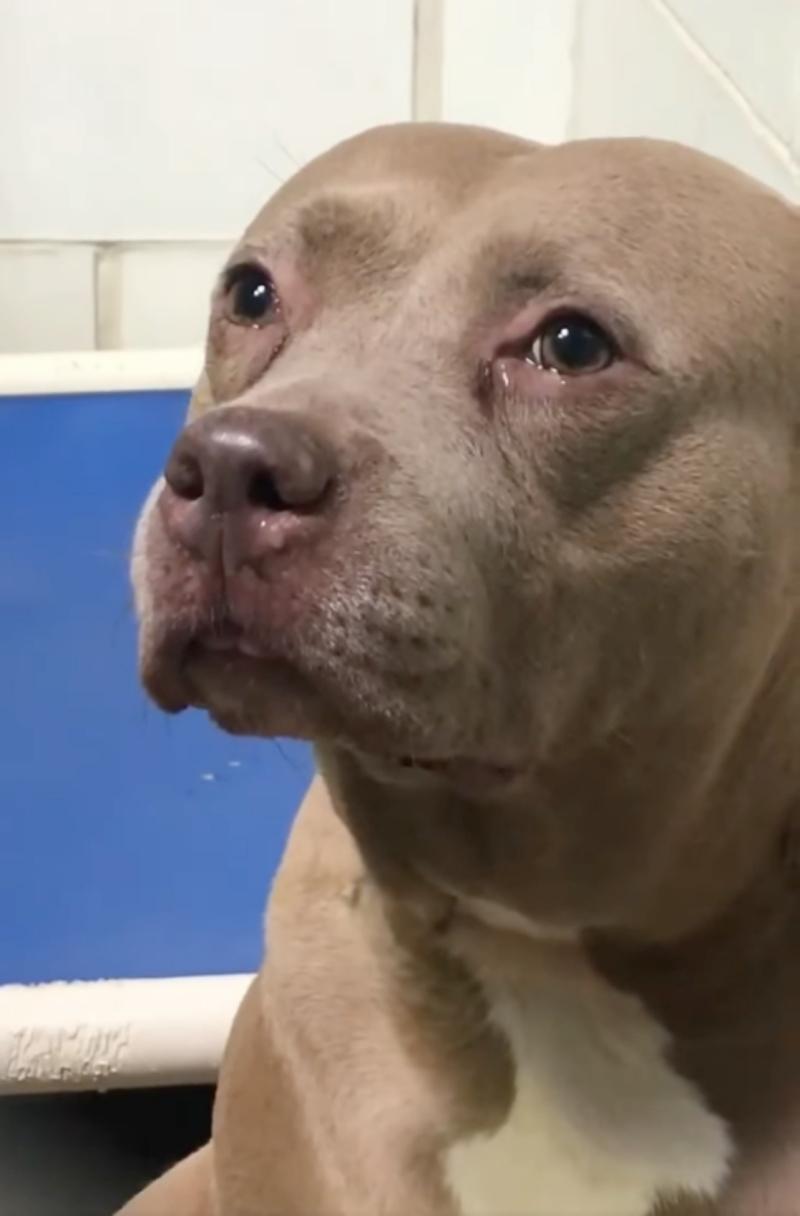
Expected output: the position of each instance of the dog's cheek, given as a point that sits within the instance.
(238, 356)
(202, 398)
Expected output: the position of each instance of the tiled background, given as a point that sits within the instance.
(139, 136)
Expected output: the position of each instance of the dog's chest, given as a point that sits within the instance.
(600, 1124)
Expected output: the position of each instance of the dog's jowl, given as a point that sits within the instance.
(490, 488)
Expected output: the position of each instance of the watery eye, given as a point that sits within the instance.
(572, 345)
(251, 298)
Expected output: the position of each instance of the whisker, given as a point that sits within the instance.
(268, 169)
(292, 159)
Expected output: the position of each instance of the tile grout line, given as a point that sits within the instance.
(428, 61)
(107, 297)
(575, 54)
(717, 73)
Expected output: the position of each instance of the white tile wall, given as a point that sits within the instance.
(153, 296)
(140, 135)
(46, 297)
(508, 64)
(172, 119)
(758, 49)
(636, 74)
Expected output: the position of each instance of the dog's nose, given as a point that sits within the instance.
(243, 482)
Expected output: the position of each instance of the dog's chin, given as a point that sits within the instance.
(243, 693)
(247, 693)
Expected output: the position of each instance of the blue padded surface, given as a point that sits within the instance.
(131, 844)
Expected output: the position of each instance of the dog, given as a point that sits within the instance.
(490, 488)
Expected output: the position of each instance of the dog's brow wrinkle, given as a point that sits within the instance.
(528, 282)
(331, 221)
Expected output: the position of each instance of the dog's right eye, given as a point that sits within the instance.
(571, 344)
(250, 295)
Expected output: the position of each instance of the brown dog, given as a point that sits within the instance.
(491, 488)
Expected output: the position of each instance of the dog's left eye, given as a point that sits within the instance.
(251, 298)
(571, 345)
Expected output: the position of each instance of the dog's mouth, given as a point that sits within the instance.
(178, 664)
(473, 775)
(227, 638)
(248, 688)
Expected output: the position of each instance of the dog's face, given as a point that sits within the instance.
(493, 459)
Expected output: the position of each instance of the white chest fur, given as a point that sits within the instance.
(601, 1125)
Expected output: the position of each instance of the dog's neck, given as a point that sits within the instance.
(729, 996)
(654, 833)
(590, 849)
(693, 869)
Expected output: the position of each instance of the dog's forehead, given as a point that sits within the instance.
(443, 169)
(654, 220)
(446, 159)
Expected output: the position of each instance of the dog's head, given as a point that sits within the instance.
(492, 467)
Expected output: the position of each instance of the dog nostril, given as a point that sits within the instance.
(263, 492)
(184, 476)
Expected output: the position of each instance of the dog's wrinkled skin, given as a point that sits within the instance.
(553, 966)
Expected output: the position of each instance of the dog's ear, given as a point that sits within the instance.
(202, 397)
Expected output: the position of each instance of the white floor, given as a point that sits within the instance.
(84, 1154)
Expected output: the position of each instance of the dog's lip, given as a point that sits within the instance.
(474, 774)
(443, 764)
(166, 664)
(228, 639)
(228, 642)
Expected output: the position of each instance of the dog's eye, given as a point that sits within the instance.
(571, 345)
(251, 298)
